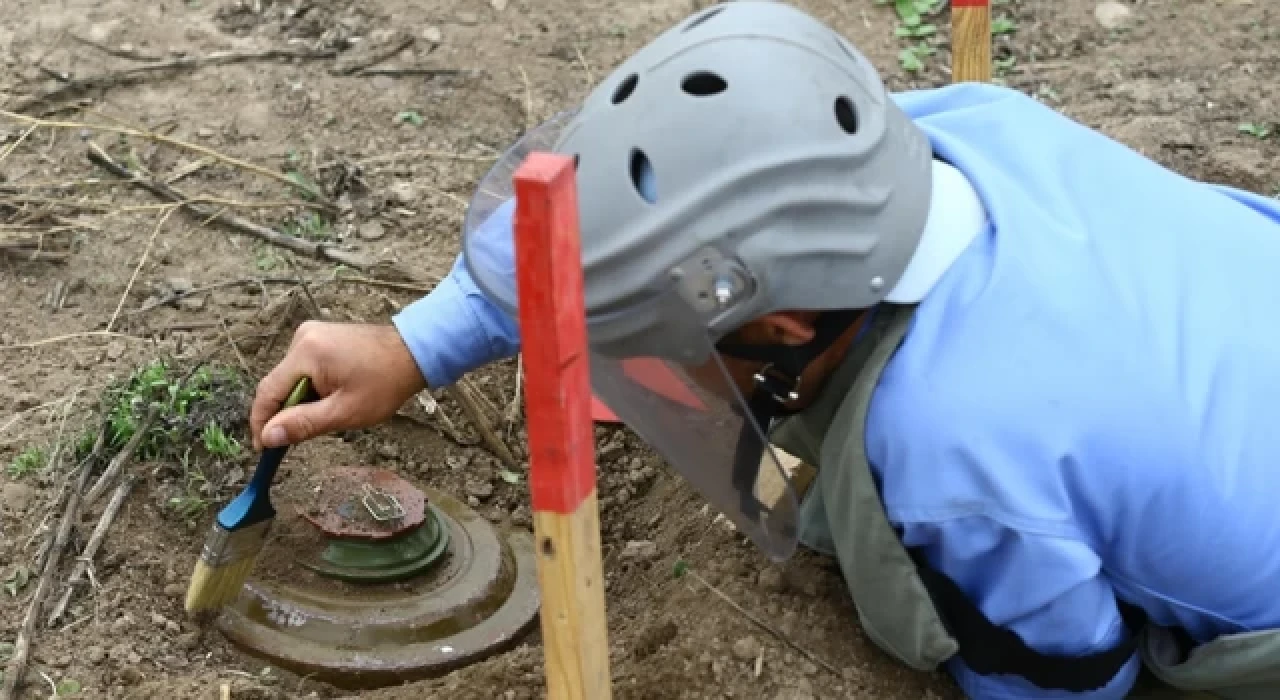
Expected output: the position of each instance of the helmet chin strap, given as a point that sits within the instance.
(775, 385)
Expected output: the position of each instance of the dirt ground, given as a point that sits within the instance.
(393, 109)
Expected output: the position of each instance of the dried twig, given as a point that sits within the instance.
(124, 455)
(141, 261)
(69, 336)
(529, 120)
(194, 291)
(461, 392)
(226, 331)
(22, 647)
(159, 189)
(130, 54)
(356, 62)
(169, 141)
(513, 408)
(766, 626)
(14, 146)
(418, 71)
(91, 548)
(415, 155)
(130, 76)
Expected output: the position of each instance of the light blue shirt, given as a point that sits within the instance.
(1083, 408)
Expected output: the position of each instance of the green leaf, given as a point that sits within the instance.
(681, 568)
(909, 60)
(68, 686)
(509, 476)
(409, 117)
(1002, 25)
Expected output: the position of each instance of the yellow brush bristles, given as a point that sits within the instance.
(213, 588)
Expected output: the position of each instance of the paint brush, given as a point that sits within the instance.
(240, 530)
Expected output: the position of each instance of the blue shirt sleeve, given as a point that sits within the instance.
(454, 329)
(1046, 588)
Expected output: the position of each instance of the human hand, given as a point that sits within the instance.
(362, 372)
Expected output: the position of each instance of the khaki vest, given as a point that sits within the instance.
(843, 516)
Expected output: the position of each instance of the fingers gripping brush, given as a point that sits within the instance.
(240, 530)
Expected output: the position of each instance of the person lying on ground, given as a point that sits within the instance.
(1033, 368)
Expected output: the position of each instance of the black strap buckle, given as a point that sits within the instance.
(778, 385)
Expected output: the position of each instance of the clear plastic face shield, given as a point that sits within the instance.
(692, 412)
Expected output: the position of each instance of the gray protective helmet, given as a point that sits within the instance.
(746, 161)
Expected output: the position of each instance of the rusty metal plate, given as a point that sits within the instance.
(365, 504)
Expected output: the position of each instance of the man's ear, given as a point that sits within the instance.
(789, 327)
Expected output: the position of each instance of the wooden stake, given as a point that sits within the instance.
(971, 41)
(561, 435)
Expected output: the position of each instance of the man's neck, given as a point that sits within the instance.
(956, 217)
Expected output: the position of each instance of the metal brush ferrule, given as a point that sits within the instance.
(223, 547)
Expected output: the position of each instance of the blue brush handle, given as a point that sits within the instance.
(253, 505)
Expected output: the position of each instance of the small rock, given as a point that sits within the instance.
(204, 132)
(371, 231)
(158, 620)
(61, 661)
(122, 623)
(808, 668)
(1112, 15)
(520, 517)
(6, 339)
(480, 489)
(403, 193)
(179, 285)
(192, 303)
(115, 349)
(190, 640)
(172, 627)
(468, 18)
(771, 580)
(498, 5)
(473, 501)
(120, 652)
(388, 450)
(131, 676)
(25, 400)
(611, 451)
(433, 35)
(175, 590)
(95, 654)
(16, 498)
(635, 476)
(640, 550)
(746, 649)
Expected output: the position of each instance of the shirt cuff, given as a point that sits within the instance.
(447, 334)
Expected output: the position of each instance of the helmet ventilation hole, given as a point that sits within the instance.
(704, 17)
(625, 88)
(846, 115)
(703, 84)
(642, 176)
(576, 158)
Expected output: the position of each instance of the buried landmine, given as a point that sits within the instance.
(369, 581)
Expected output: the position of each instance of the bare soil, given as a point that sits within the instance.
(400, 154)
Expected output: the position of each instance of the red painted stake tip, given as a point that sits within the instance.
(970, 3)
(553, 334)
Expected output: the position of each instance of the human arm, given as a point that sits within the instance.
(365, 372)
(1045, 587)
